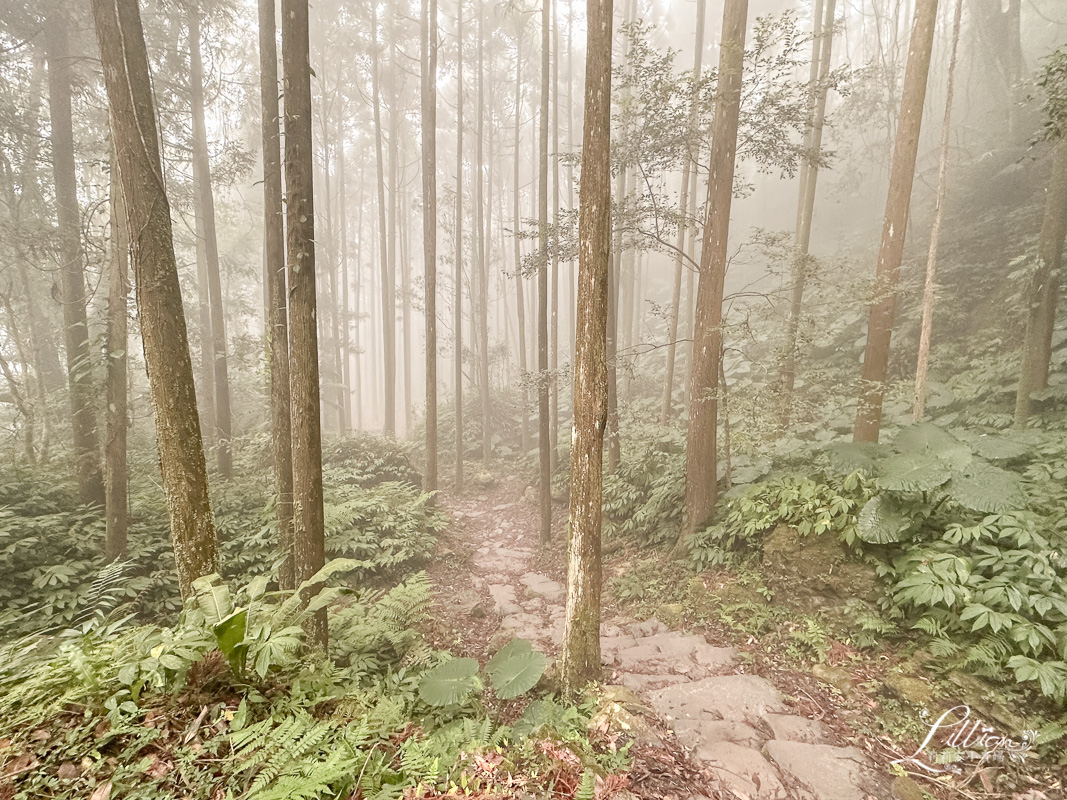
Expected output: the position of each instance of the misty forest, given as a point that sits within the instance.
(533, 399)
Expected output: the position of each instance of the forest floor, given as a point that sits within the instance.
(704, 723)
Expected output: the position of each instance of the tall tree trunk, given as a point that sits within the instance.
(117, 517)
(894, 230)
(75, 318)
(346, 316)
(481, 298)
(429, 230)
(159, 299)
(392, 238)
(544, 431)
(277, 305)
(929, 287)
(581, 638)
(822, 43)
(457, 299)
(612, 435)
(206, 202)
(553, 411)
(520, 306)
(1044, 285)
(701, 487)
(388, 284)
(308, 534)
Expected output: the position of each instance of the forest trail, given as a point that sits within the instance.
(496, 584)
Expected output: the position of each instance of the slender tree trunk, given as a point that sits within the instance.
(580, 661)
(1045, 283)
(457, 300)
(346, 315)
(392, 239)
(388, 284)
(894, 230)
(481, 299)
(159, 300)
(117, 342)
(612, 435)
(18, 396)
(277, 305)
(429, 230)
(822, 43)
(929, 287)
(553, 412)
(1045, 321)
(701, 488)
(544, 431)
(206, 202)
(520, 306)
(308, 534)
(72, 278)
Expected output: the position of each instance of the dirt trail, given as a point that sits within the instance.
(739, 726)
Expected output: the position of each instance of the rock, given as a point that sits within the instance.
(543, 586)
(791, 728)
(712, 732)
(671, 614)
(976, 693)
(833, 676)
(821, 771)
(904, 788)
(644, 683)
(912, 690)
(613, 719)
(814, 572)
(743, 771)
(504, 600)
(736, 698)
(649, 627)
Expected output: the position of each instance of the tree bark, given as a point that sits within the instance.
(894, 230)
(116, 506)
(277, 295)
(553, 411)
(159, 300)
(481, 299)
(544, 431)
(429, 230)
(929, 287)
(822, 43)
(457, 299)
(580, 662)
(520, 306)
(1044, 285)
(701, 486)
(308, 534)
(206, 201)
(388, 283)
(75, 317)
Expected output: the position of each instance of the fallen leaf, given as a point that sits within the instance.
(102, 792)
(68, 771)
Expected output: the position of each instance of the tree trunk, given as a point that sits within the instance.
(346, 316)
(481, 299)
(580, 662)
(159, 300)
(206, 201)
(308, 535)
(75, 318)
(930, 288)
(692, 156)
(457, 300)
(277, 322)
(822, 43)
(894, 230)
(388, 284)
(701, 488)
(553, 411)
(429, 230)
(117, 517)
(1044, 285)
(392, 240)
(544, 431)
(520, 306)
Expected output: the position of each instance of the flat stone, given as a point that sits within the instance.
(649, 627)
(543, 586)
(736, 698)
(637, 655)
(504, 600)
(820, 771)
(791, 728)
(708, 733)
(743, 771)
(644, 683)
(609, 645)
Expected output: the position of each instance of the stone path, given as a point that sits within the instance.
(739, 725)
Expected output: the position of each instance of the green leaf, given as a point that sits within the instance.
(851, 456)
(449, 683)
(230, 634)
(991, 490)
(926, 439)
(213, 598)
(515, 669)
(882, 522)
(999, 448)
(912, 472)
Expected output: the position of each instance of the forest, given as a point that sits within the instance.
(503, 399)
